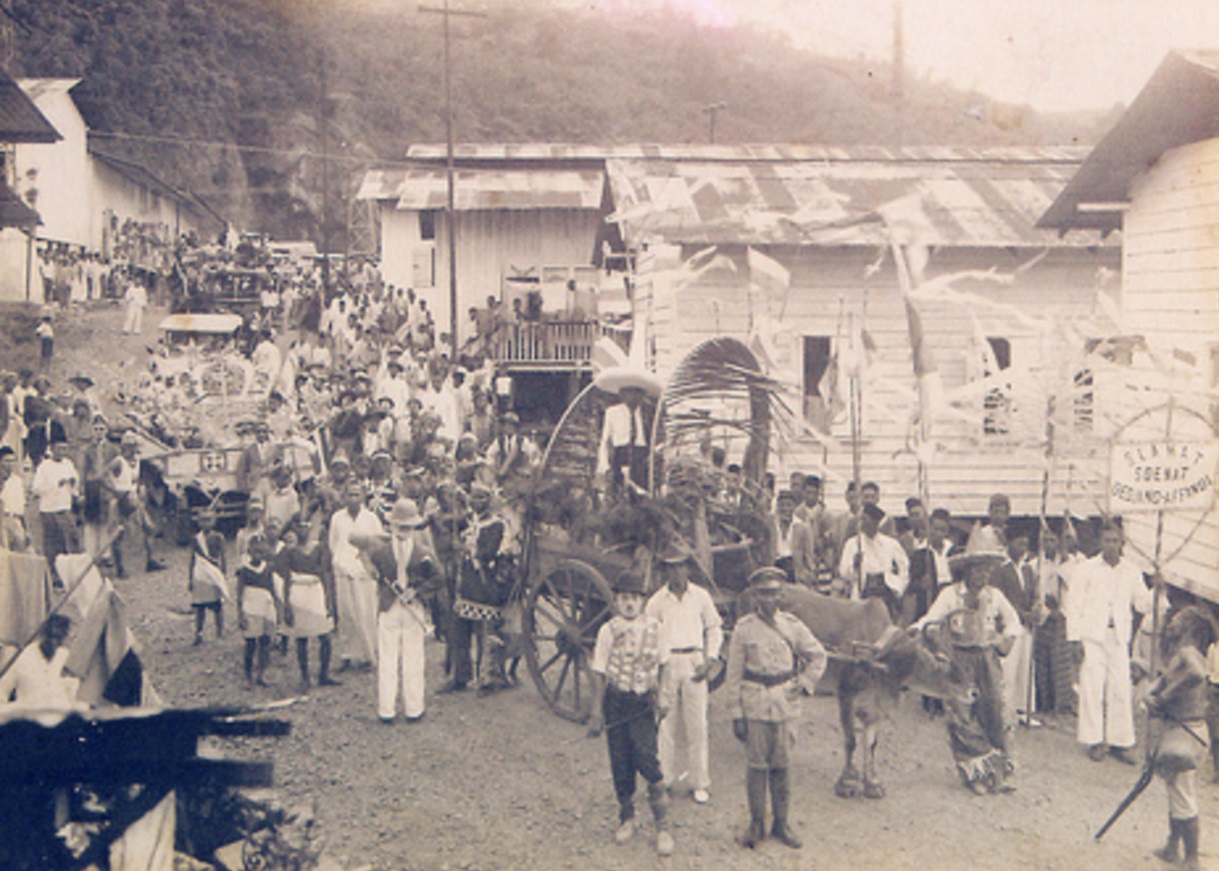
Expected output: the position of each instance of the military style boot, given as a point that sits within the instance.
(755, 789)
(780, 792)
(658, 798)
(1168, 853)
(1189, 837)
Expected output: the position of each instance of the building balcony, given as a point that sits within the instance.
(554, 345)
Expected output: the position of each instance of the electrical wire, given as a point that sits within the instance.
(184, 142)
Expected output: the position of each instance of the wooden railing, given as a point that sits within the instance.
(547, 343)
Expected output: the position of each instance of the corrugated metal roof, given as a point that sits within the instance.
(418, 189)
(551, 151)
(979, 202)
(1178, 105)
(20, 120)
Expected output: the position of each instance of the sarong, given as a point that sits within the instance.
(258, 608)
(308, 601)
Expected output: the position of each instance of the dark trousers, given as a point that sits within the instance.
(458, 637)
(631, 737)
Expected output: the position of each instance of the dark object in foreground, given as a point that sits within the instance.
(1140, 785)
(104, 770)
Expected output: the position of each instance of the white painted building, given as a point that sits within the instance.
(84, 197)
(1155, 177)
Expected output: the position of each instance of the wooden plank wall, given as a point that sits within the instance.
(487, 243)
(828, 287)
(1170, 288)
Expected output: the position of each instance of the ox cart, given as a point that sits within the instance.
(580, 533)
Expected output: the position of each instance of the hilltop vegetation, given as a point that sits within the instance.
(249, 73)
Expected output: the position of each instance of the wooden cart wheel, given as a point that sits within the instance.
(563, 612)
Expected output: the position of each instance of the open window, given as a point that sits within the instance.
(820, 376)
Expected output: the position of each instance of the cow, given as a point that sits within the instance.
(871, 661)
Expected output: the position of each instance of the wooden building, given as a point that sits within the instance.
(791, 249)
(1155, 177)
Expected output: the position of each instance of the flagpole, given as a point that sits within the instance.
(905, 283)
(855, 395)
(1041, 527)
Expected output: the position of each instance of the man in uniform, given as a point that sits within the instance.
(771, 658)
(692, 626)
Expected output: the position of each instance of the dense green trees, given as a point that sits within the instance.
(248, 73)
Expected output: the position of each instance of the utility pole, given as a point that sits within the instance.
(711, 111)
(325, 131)
(451, 210)
(899, 71)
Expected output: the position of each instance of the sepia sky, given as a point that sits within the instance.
(1051, 54)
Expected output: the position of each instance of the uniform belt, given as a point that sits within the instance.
(768, 680)
(686, 650)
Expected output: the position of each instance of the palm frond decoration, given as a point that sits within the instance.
(719, 377)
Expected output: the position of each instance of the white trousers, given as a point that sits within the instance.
(134, 322)
(356, 593)
(400, 636)
(687, 719)
(1106, 712)
(1016, 676)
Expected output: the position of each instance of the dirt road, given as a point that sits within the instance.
(500, 783)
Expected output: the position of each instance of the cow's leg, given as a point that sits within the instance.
(872, 787)
(849, 784)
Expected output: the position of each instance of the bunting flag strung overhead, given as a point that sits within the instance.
(767, 273)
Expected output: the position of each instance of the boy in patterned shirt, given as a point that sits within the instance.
(628, 659)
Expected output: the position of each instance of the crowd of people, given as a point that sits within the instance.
(385, 493)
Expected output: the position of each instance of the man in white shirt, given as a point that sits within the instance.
(873, 563)
(13, 535)
(623, 451)
(56, 484)
(692, 626)
(355, 587)
(37, 680)
(135, 298)
(1105, 590)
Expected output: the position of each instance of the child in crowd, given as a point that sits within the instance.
(628, 658)
(206, 577)
(257, 607)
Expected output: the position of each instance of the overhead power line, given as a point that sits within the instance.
(184, 142)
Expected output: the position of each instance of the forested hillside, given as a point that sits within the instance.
(244, 80)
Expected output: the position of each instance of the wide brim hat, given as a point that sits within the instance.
(406, 513)
(81, 378)
(619, 378)
(675, 553)
(960, 564)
